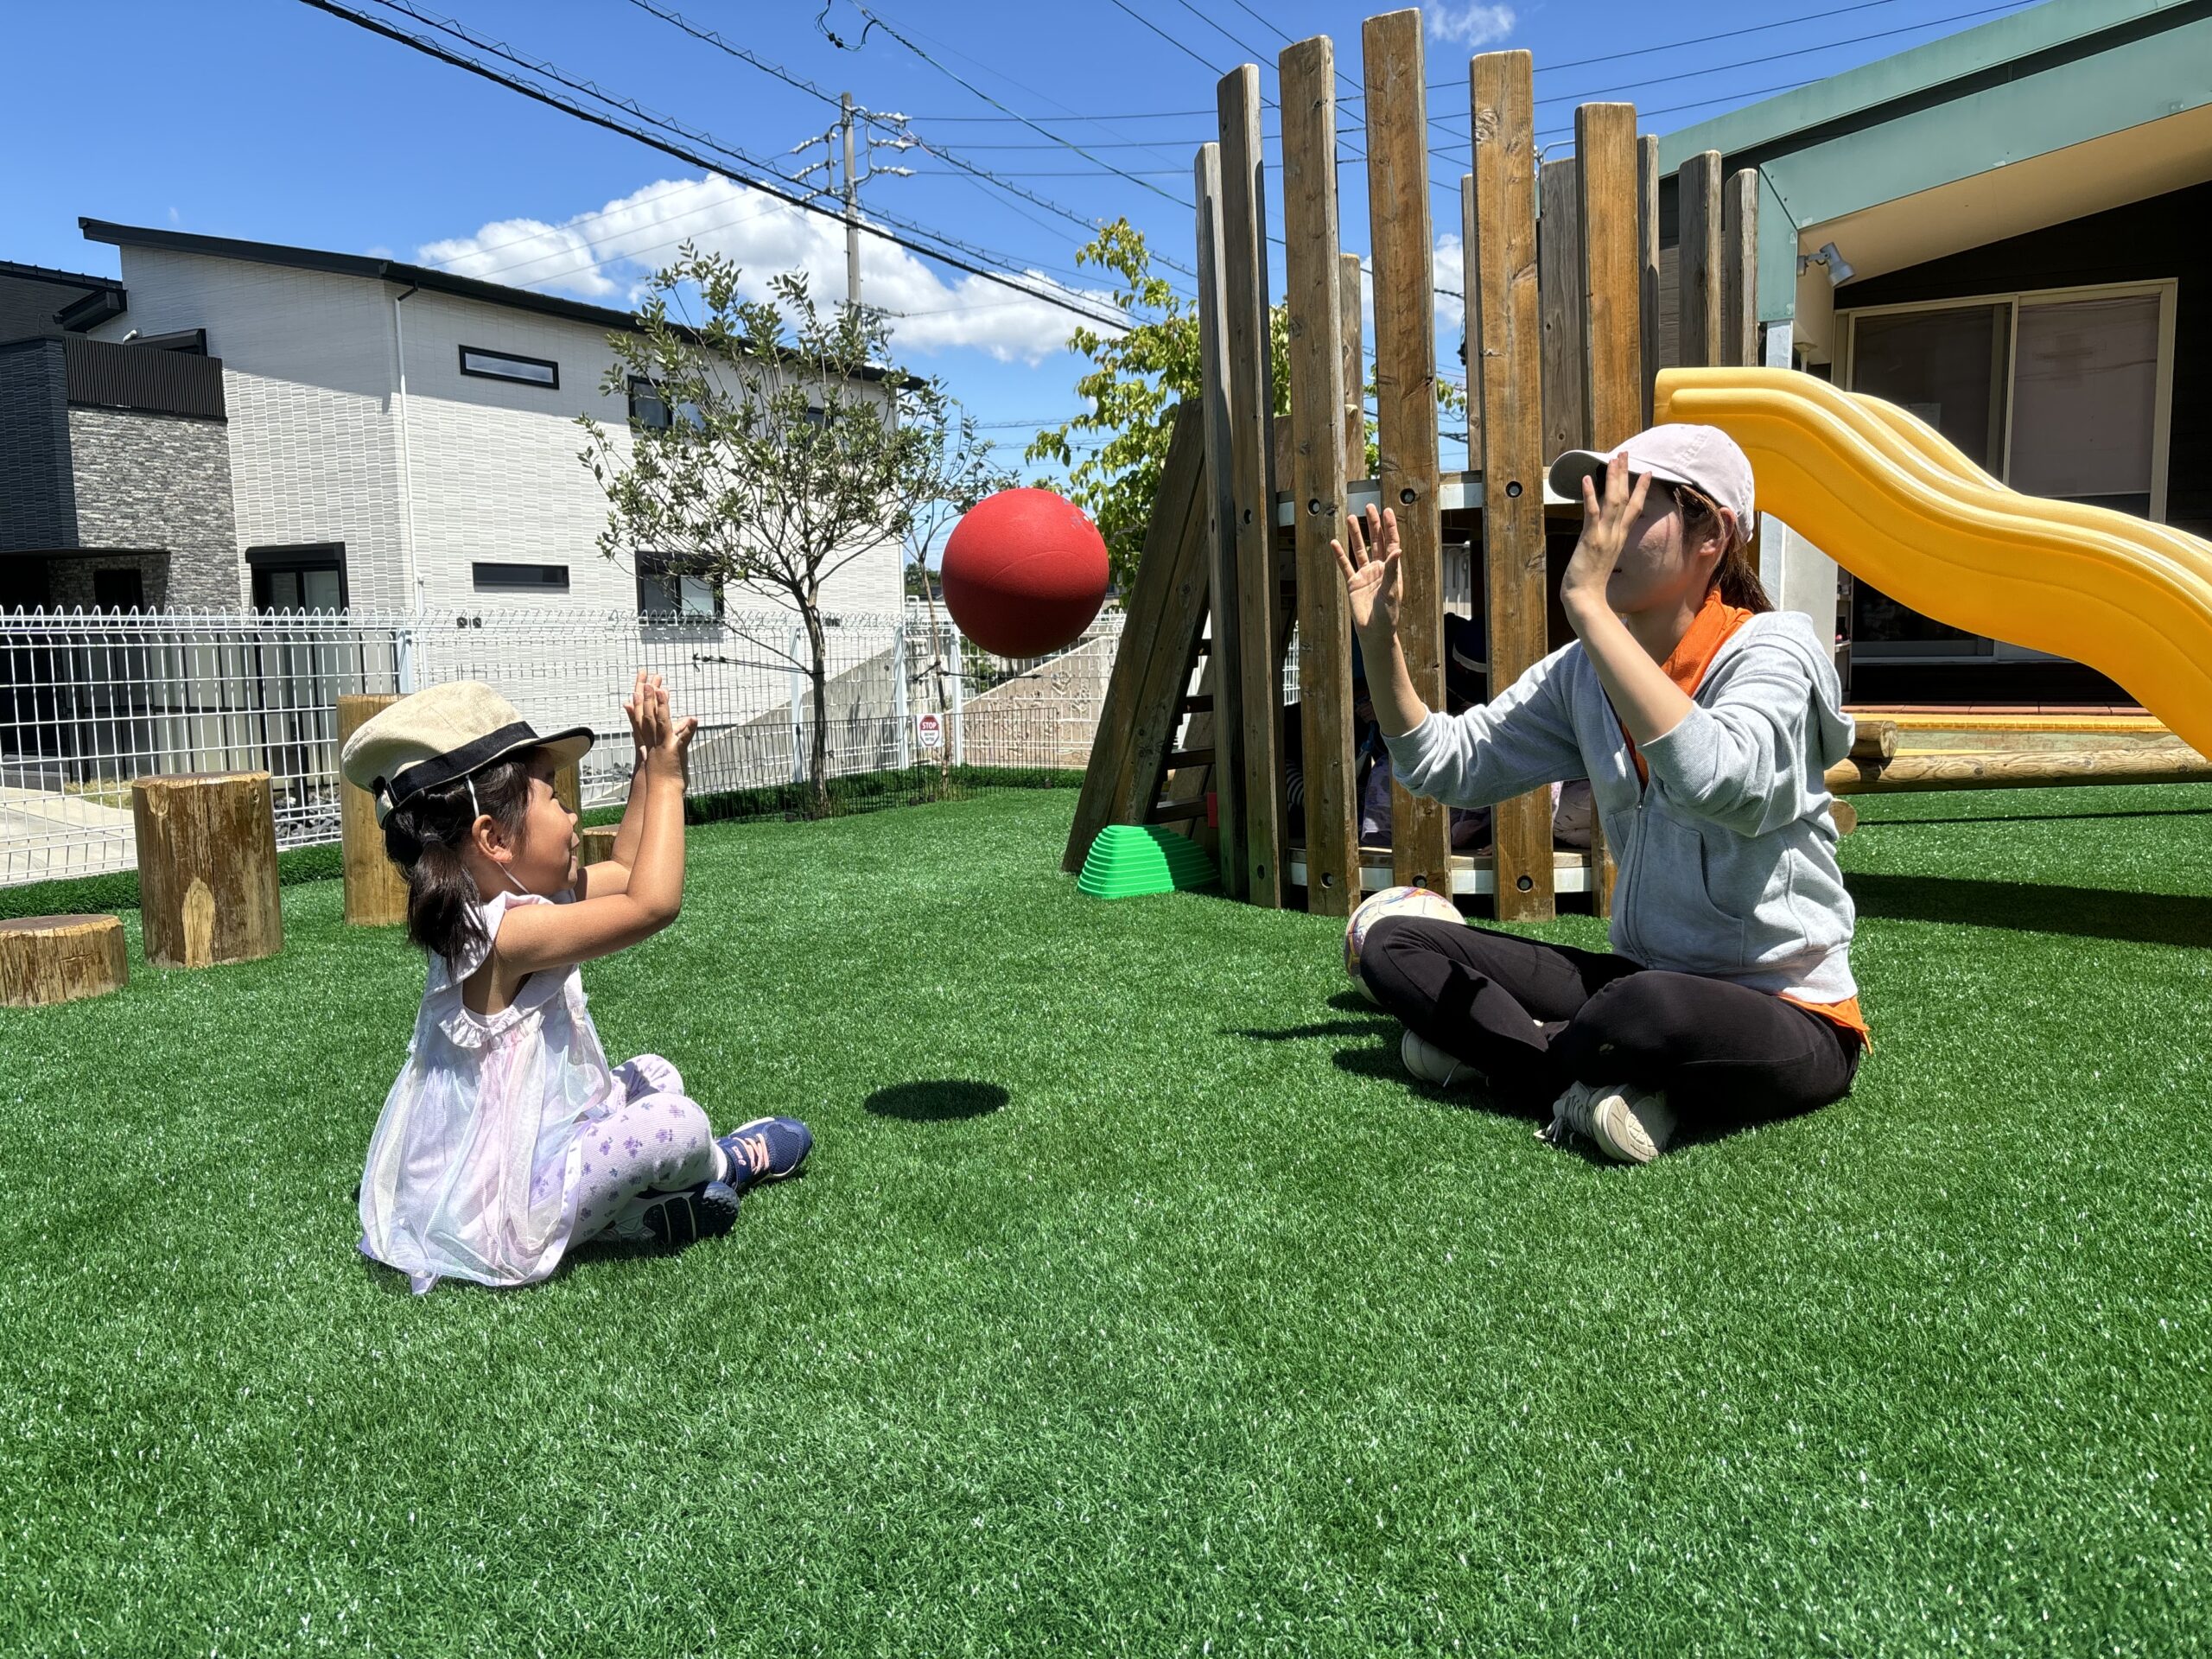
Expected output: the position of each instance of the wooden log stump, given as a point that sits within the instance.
(1875, 740)
(568, 785)
(49, 959)
(598, 844)
(376, 890)
(1845, 816)
(208, 868)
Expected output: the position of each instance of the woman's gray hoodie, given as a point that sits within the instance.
(1727, 858)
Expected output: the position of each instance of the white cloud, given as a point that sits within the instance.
(607, 254)
(1471, 25)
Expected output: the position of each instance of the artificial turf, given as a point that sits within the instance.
(1135, 1304)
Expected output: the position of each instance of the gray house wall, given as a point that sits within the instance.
(37, 498)
(154, 482)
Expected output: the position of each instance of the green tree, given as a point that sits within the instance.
(1115, 452)
(774, 445)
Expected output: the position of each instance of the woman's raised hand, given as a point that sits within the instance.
(1609, 513)
(1372, 578)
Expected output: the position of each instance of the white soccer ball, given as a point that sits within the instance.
(1391, 902)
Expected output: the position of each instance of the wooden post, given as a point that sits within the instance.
(1319, 467)
(1257, 620)
(598, 844)
(1352, 335)
(568, 785)
(1697, 244)
(1408, 469)
(1146, 697)
(49, 959)
(1223, 665)
(1611, 284)
(1739, 271)
(208, 868)
(1845, 816)
(1647, 224)
(1501, 235)
(1558, 289)
(376, 890)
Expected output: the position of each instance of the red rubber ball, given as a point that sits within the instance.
(1025, 572)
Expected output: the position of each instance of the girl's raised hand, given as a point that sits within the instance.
(669, 738)
(634, 708)
(1607, 520)
(1371, 577)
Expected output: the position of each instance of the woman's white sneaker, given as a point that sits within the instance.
(1628, 1125)
(1432, 1065)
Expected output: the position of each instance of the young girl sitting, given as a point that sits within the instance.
(507, 1139)
(1704, 720)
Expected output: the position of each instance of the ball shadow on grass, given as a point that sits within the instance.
(940, 1101)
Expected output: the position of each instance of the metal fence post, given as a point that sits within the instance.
(798, 695)
(959, 692)
(901, 666)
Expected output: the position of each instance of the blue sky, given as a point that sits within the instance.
(267, 119)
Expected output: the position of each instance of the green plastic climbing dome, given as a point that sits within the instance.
(1128, 859)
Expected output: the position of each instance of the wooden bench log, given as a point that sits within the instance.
(208, 868)
(49, 959)
(376, 890)
(1874, 739)
(2025, 769)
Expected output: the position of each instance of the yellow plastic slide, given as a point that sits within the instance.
(1887, 498)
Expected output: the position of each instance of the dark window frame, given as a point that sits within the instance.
(554, 384)
(674, 565)
(265, 561)
(643, 390)
(498, 584)
(137, 575)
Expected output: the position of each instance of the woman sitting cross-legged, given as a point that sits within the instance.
(1704, 720)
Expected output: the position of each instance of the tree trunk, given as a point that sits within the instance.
(818, 668)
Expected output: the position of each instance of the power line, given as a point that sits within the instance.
(898, 126)
(449, 26)
(783, 190)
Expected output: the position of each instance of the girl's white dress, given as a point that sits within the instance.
(475, 1164)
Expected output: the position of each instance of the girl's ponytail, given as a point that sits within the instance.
(426, 837)
(1736, 576)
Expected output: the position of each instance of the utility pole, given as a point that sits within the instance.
(852, 211)
(845, 183)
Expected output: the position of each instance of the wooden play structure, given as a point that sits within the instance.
(1568, 329)
(1564, 339)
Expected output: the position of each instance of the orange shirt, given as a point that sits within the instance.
(1686, 666)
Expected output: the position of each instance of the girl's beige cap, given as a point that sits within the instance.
(437, 737)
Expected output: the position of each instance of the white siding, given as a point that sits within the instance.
(490, 471)
(308, 371)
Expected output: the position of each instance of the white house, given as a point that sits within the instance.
(404, 439)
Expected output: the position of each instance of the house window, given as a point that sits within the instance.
(2064, 393)
(521, 578)
(648, 408)
(506, 366)
(671, 589)
(311, 578)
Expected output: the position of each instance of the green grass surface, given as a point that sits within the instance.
(1135, 1304)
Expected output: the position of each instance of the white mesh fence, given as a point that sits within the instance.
(90, 701)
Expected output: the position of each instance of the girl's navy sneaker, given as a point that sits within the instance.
(675, 1219)
(767, 1149)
